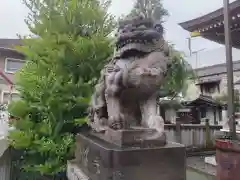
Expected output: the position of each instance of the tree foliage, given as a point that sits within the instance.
(223, 98)
(178, 75)
(64, 58)
(150, 8)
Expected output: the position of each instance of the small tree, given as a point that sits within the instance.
(63, 63)
(223, 98)
(178, 75)
(150, 8)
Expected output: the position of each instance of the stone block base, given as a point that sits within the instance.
(97, 159)
(134, 137)
(228, 160)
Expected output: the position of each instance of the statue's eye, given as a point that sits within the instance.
(159, 28)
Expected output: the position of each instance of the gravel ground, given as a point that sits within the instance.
(198, 166)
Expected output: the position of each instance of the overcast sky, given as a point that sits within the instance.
(13, 12)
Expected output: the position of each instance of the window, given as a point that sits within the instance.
(6, 97)
(209, 89)
(12, 65)
(203, 112)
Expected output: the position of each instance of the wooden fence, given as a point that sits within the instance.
(193, 136)
(5, 166)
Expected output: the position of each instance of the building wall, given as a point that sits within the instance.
(210, 116)
(223, 83)
(170, 115)
(5, 88)
(5, 166)
(223, 91)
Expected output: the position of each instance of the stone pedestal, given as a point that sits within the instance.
(134, 137)
(97, 159)
(228, 160)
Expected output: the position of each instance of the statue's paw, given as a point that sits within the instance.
(156, 136)
(116, 122)
(97, 127)
(116, 125)
(156, 122)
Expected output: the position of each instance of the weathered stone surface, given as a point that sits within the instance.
(128, 88)
(228, 160)
(74, 172)
(134, 137)
(100, 160)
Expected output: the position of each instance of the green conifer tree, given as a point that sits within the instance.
(64, 56)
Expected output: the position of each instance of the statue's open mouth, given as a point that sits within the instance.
(137, 43)
(147, 37)
(137, 35)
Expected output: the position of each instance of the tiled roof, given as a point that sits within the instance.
(10, 43)
(209, 18)
(216, 69)
(209, 79)
(207, 99)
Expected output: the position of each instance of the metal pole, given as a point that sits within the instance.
(197, 60)
(190, 45)
(228, 45)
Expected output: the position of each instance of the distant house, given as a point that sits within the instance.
(168, 110)
(211, 83)
(212, 80)
(206, 108)
(192, 112)
(10, 61)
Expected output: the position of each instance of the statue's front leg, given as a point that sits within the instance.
(115, 117)
(150, 118)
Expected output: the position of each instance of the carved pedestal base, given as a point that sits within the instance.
(134, 137)
(97, 159)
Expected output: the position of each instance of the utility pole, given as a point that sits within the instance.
(190, 45)
(228, 45)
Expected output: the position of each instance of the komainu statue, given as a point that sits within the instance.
(127, 92)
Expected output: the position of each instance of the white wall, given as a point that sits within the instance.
(170, 115)
(194, 91)
(210, 116)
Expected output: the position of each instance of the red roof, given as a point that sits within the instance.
(9, 81)
(6, 45)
